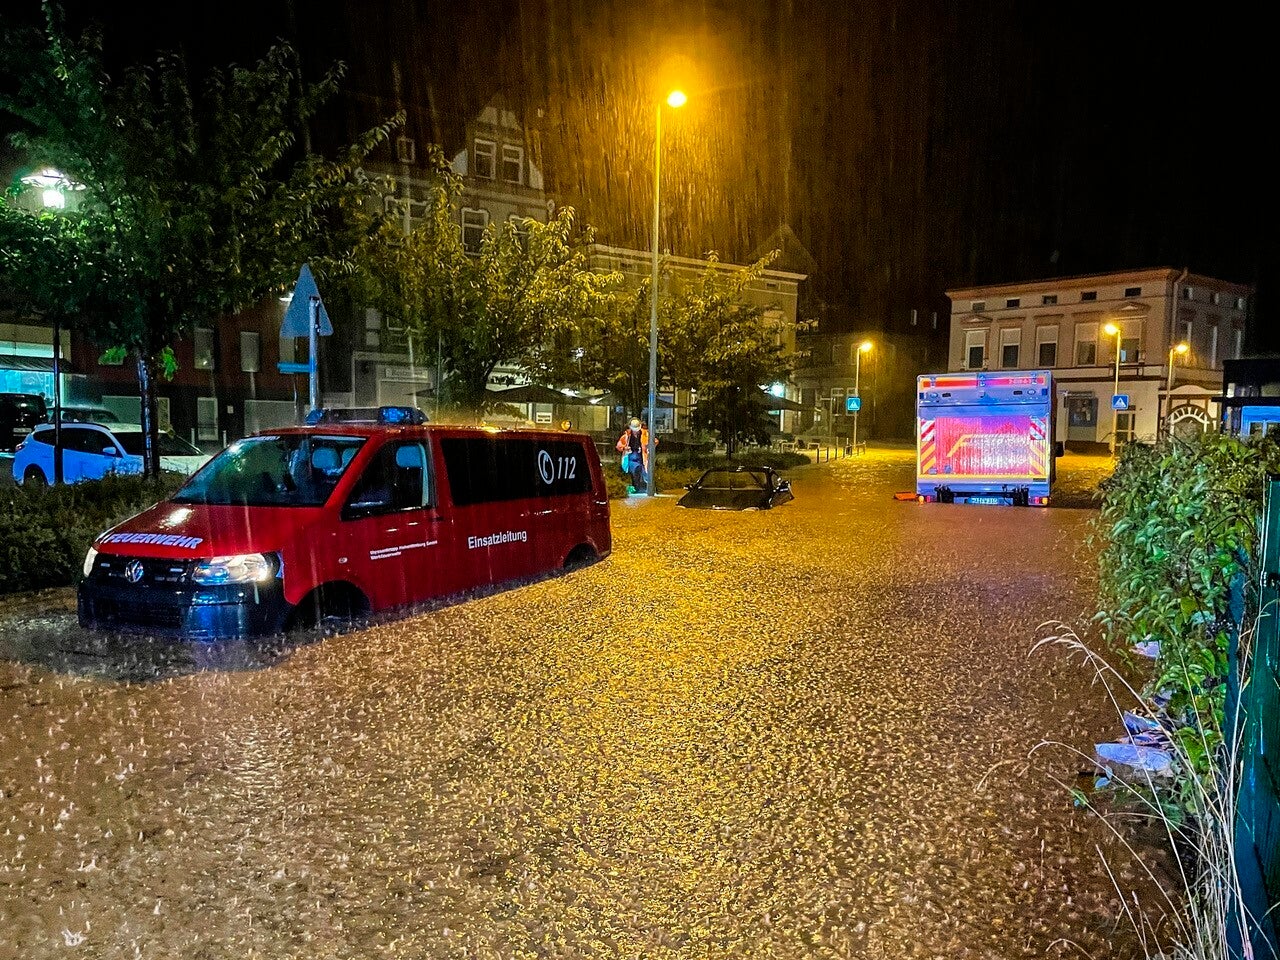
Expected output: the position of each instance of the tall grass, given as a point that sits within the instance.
(1195, 814)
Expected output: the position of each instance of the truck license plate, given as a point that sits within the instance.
(994, 501)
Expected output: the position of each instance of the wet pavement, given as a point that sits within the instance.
(797, 733)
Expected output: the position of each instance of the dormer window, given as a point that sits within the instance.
(484, 154)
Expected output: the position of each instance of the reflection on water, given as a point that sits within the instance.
(759, 734)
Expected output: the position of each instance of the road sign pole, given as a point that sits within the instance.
(314, 339)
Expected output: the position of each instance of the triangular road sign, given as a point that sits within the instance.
(297, 318)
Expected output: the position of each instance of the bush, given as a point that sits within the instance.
(44, 533)
(1179, 527)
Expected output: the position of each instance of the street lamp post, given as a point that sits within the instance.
(1112, 330)
(1177, 350)
(863, 347)
(53, 186)
(675, 99)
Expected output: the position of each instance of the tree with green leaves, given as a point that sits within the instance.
(518, 300)
(195, 196)
(710, 339)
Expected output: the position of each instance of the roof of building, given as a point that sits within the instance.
(1157, 274)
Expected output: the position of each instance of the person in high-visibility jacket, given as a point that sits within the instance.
(634, 446)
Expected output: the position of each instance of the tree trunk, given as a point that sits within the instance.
(149, 418)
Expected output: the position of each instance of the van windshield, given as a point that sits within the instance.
(293, 470)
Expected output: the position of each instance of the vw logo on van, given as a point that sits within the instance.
(133, 571)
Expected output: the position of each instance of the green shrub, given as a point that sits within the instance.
(1179, 525)
(44, 533)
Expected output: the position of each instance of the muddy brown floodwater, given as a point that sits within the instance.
(798, 733)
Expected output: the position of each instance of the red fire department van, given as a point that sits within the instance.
(357, 511)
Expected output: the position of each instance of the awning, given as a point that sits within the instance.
(609, 400)
(536, 393)
(10, 361)
(775, 404)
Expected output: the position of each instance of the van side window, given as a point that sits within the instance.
(492, 469)
(397, 479)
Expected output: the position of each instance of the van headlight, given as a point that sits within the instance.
(89, 558)
(241, 568)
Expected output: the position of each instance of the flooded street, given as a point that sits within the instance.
(797, 733)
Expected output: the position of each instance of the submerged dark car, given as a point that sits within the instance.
(738, 488)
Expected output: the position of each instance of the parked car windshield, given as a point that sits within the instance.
(170, 446)
(732, 480)
(293, 470)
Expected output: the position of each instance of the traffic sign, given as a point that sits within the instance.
(1119, 401)
(297, 318)
(852, 404)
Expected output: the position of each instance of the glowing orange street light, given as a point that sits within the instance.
(675, 99)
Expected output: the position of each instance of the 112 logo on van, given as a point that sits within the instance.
(551, 469)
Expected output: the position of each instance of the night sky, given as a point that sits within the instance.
(912, 145)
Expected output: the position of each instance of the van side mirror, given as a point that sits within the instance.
(110, 452)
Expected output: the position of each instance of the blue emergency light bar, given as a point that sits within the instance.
(385, 416)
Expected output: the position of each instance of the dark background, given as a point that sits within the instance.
(912, 146)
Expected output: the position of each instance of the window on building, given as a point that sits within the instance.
(203, 348)
(484, 153)
(975, 349)
(1086, 346)
(1133, 291)
(1241, 303)
(1088, 296)
(1125, 426)
(1013, 303)
(1049, 299)
(250, 352)
(1188, 293)
(1129, 349)
(1047, 346)
(1216, 298)
(206, 418)
(1010, 341)
(474, 223)
(512, 163)
(1213, 346)
(978, 306)
(1239, 346)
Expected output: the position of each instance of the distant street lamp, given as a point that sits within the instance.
(1177, 350)
(675, 100)
(53, 186)
(863, 347)
(1112, 330)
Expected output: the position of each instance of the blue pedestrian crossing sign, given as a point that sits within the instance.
(1119, 401)
(305, 308)
(852, 404)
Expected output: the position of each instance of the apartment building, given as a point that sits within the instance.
(1077, 326)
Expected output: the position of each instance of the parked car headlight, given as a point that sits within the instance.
(89, 558)
(241, 568)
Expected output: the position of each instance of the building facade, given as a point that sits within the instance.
(1063, 325)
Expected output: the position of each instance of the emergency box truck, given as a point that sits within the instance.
(985, 437)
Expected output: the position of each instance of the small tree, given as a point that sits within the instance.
(738, 350)
(193, 193)
(518, 300)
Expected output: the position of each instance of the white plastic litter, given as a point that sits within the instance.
(1143, 759)
(1149, 649)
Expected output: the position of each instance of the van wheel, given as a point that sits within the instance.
(34, 477)
(583, 555)
(339, 603)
